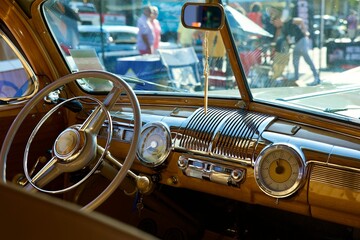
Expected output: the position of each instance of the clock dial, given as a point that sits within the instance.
(279, 170)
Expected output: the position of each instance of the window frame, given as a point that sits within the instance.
(33, 83)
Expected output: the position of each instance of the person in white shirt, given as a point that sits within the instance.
(146, 36)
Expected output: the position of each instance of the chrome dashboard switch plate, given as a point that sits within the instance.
(212, 172)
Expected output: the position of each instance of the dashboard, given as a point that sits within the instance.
(250, 157)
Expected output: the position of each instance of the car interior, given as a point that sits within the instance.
(181, 143)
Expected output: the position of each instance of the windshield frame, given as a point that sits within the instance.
(243, 92)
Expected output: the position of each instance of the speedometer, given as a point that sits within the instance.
(279, 170)
(154, 144)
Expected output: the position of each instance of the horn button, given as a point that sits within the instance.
(67, 144)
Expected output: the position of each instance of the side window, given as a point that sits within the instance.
(16, 78)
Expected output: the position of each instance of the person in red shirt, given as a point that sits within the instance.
(255, 13)
(156, 26)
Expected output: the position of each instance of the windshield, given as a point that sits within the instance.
(298, 54)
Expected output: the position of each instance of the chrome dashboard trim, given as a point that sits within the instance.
(336, 177)
(332, 165)
(206, 170)
(312, 145)
(230, 134)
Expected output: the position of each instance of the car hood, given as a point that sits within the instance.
(338, 93)
(324, 98)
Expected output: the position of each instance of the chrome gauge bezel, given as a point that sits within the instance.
(263, 169)
(159, 131)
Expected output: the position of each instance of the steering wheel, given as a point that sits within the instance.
(76, 147)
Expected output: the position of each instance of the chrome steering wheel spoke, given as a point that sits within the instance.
(45, 175)
(96, 119)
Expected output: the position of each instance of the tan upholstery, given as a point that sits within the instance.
(26, 215)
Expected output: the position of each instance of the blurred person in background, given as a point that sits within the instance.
(352, 24)
(295, 33)
(272, 22)
(217, 51)
(185, 36)
(255, 13)
(156, 26)
(146, 35)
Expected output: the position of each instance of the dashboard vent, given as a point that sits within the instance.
(336, 177)
(229, 133)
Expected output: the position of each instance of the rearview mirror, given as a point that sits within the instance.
(202, 16)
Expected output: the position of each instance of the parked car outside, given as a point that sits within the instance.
(116, 41)
(334, 28)
(87, 12)
(89, 15)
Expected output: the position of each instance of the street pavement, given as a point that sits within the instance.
(305, 73)
(328, 76)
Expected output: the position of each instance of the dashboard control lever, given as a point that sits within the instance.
(143, 183)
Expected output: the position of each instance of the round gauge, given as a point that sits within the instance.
(279, 170)
(154, 144)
